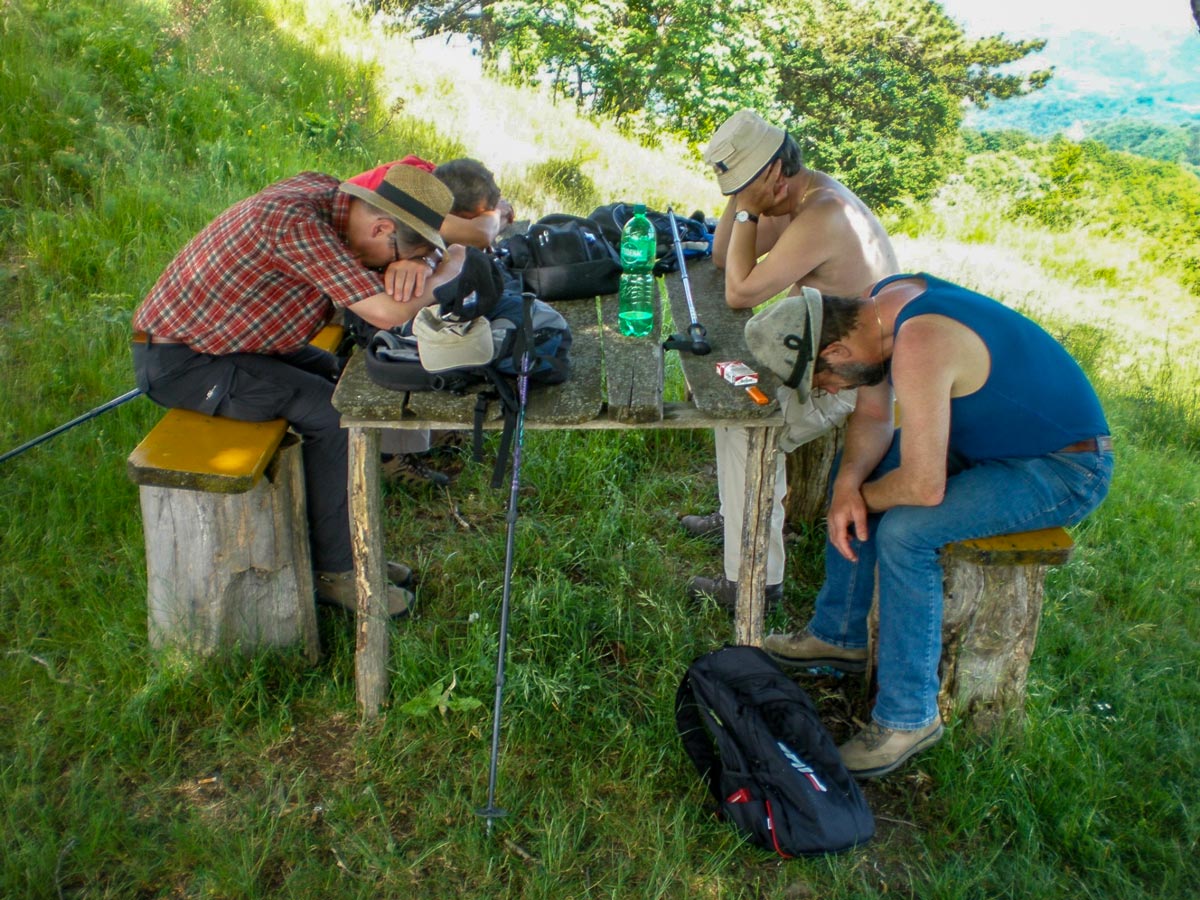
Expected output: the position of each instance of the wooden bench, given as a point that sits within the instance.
(227, 554)
(993, 590)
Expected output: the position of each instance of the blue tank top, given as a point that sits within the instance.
(1036, 399)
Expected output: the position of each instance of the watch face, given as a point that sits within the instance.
(743, 216)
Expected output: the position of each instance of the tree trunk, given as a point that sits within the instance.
(226, 570)
(808, 468)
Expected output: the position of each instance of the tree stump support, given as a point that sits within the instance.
(993, 591)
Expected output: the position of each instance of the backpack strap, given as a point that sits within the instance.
(695, 737)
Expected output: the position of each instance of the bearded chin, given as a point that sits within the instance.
(858, 375)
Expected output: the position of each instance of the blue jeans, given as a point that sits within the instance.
(983, 499)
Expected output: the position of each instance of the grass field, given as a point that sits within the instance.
(126, 773)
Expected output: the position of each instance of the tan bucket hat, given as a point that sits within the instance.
(741, 148)
(444, 344)
(786, 338)
(407, 193)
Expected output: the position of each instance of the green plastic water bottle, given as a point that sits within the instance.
(635, 315)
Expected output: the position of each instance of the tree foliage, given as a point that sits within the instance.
(873, 88)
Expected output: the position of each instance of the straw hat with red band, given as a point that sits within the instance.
(405, 192)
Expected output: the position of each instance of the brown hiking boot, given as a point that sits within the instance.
(409, 470)
(337, 589)
(802, 650)
(724, 591)
(711, 526)
(876, 750)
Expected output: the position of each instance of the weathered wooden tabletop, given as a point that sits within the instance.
(615, 382)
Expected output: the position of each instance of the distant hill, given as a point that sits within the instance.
(1099, 79)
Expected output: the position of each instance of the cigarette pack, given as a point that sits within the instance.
(737, 373)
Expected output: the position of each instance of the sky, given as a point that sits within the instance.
(1144, 21)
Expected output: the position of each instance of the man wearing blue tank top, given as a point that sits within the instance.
(1002, 432)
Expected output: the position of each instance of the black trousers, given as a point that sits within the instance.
(254, 387)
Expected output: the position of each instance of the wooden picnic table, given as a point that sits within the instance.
(616, 382)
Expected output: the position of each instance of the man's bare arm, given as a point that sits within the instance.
(869, 432)
(383, 311)
(766, 234)
(925, 365)
(479, 231)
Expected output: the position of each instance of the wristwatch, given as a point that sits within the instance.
(742, 216)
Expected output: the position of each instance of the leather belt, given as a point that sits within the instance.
(141, 337)
(1103, 443)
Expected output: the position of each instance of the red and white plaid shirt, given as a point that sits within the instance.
(264, 276)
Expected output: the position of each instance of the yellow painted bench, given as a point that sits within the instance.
(209, 453)
(224, 516)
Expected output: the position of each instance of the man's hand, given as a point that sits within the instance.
(764, 191)
(847, 520)
(405, 280)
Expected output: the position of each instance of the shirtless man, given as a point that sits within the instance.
(815, 232)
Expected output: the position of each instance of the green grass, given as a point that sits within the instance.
(130, 773)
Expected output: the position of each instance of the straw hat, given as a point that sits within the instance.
(742, 148)
(407, 193)
(785, 338)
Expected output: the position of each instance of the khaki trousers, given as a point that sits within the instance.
(731, 446)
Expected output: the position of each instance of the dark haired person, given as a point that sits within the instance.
(785, 227)
(1002, 433)
(225, 329)
(477, 214)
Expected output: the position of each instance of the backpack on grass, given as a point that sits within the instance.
(474, 341)
(755, 738)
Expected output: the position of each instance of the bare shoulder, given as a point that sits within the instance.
(934, 349)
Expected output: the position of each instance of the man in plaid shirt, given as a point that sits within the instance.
(225, 329)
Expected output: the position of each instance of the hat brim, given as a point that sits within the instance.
(786, 338)
(729, 186)
(385, 206)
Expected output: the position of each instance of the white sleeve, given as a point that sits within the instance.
(810, 417)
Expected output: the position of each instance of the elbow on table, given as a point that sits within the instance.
(739, 299)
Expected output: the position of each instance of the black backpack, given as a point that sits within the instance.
(520, 324)
(563, 257)
(754, 736)
(694, 237)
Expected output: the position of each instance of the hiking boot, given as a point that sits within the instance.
(409, 470)
(724, 591)
(804, 651)
(876, 750)
(337, 589)
(401, 575)
(448, 445)
(710, 526)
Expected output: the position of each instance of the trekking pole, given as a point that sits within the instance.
(491, 812)
(696, 340)
(78, 420)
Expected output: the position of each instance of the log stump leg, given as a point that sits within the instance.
(756, 524)
(993, 590)
(808, 470)
(226, 570)
(989, 628)
(366, 534)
